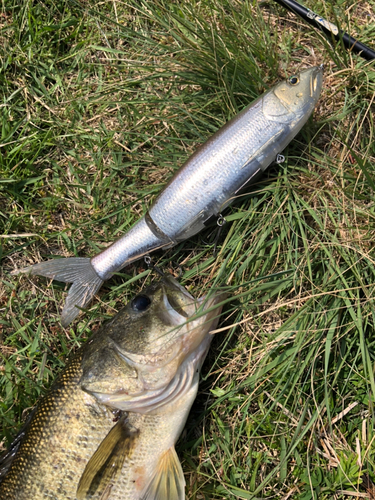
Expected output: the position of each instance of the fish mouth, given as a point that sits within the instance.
(316, 80)
(178, 298)
(183, 306)
(192, 319)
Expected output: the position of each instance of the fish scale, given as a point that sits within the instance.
(56, 436)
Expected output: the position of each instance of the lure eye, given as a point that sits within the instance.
(140, 303)
(293, 80)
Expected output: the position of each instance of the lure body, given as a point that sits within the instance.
(206, 184)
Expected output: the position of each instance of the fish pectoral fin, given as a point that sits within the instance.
(108, 459)
(168, 482)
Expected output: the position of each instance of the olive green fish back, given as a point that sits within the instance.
(28, 455)
(57, 444)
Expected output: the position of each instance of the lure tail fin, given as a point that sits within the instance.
(76, 270)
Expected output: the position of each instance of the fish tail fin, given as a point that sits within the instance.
(76, 270)
(168, 480)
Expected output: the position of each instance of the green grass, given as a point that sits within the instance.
(100, 104)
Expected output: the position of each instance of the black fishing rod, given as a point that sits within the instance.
(328, 28)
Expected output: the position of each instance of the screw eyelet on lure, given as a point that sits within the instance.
(280, 159)
(148, 261)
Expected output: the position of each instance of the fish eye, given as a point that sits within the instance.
(140, 303)
(293, 80)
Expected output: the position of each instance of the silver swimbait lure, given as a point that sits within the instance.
(201, 189)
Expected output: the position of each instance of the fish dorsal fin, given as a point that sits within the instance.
(168, 482)
(108, 459)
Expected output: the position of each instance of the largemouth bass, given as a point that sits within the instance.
(206, 184)
(141, 369)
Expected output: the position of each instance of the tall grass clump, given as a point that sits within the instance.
(100, 103)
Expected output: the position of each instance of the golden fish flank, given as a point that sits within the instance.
(140, 369)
